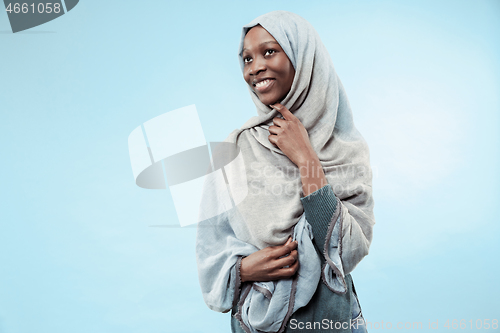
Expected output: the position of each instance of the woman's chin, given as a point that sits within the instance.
(269, 101)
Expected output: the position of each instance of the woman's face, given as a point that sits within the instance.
(267, 70)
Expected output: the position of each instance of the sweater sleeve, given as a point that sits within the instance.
(341, 239)
(319, 208)
(322, 210)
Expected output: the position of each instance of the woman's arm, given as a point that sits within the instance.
(291, 137)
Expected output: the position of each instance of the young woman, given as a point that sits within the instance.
(280, 258)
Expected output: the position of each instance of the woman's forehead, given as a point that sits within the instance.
(257, 36)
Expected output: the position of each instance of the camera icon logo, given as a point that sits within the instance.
(202, 186)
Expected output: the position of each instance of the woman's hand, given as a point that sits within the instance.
(291, 137)
(267, 264)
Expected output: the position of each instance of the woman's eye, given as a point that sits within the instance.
(246, 60)
(270, 52)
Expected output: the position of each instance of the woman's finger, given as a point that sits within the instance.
(292, 246)
(286, 261)
(275, 130)
(284, 111)
(272, 138)
(288, 271)
(292, 269)
(285, 249)
(279, 122)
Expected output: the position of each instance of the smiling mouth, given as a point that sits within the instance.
(263, 85)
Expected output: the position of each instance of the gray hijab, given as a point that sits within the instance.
(317, 98)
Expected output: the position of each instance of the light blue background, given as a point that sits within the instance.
(77, 253)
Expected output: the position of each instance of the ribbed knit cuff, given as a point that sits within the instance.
(319, 207)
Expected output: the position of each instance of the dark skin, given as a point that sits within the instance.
(269, 72)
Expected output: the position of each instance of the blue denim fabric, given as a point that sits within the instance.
(357, 315)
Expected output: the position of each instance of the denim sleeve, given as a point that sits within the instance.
(319, 207)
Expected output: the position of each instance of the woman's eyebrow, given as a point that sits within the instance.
(268, 42)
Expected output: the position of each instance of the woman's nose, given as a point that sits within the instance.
(257, 66)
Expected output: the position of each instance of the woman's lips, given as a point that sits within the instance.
(264, 86)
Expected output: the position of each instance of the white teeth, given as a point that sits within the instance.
(262, 83)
